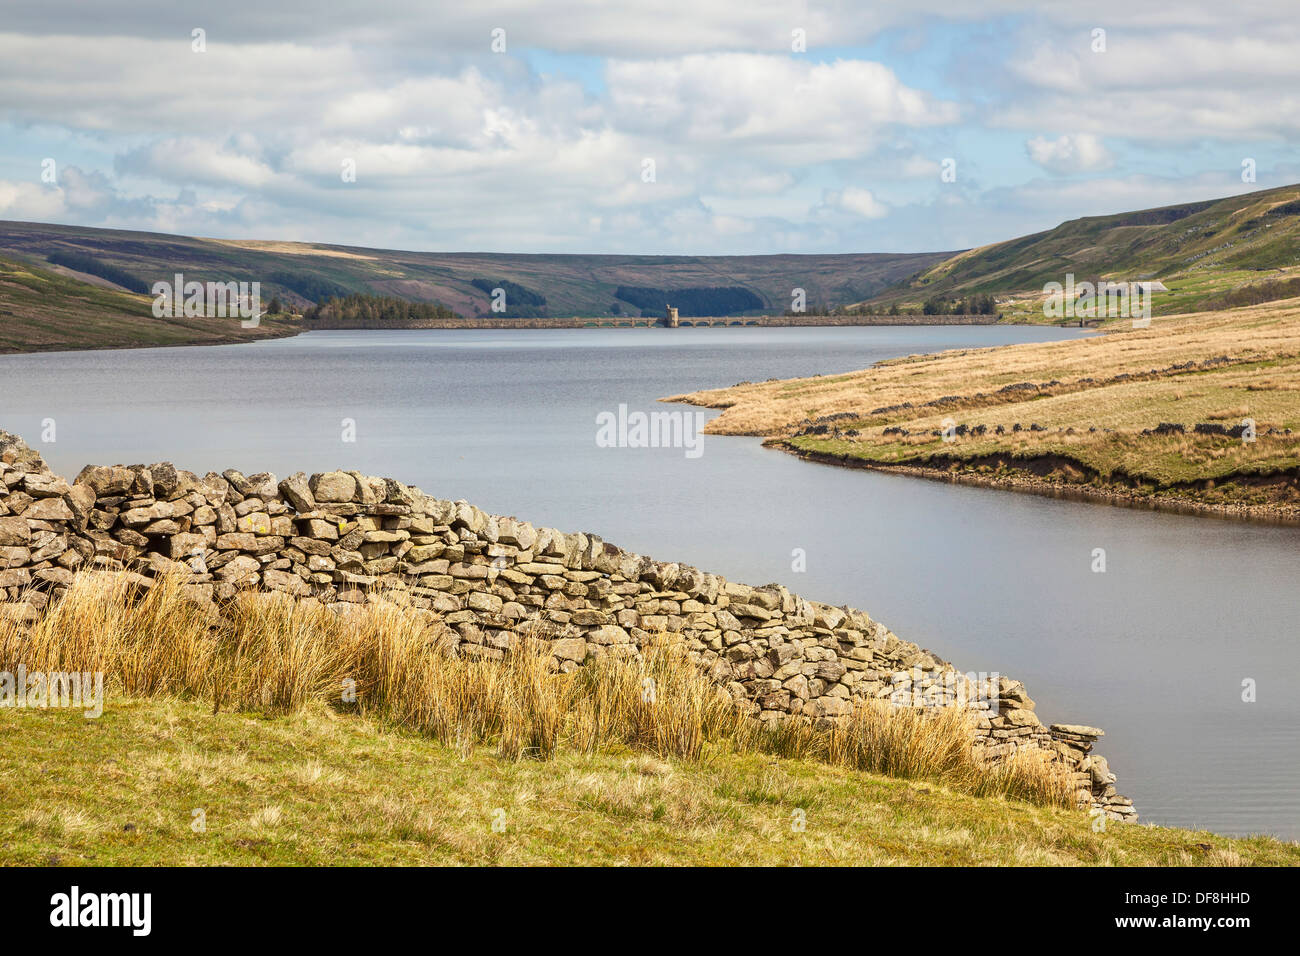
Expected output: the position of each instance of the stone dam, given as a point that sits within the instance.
(345, 538)
(632, 322)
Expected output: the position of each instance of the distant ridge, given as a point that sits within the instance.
(66, 287)
(541, 284)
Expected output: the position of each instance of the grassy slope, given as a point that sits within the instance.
(1260, 380)
(572, 284)
(42, 310)
(1197, 249)
(318, 788)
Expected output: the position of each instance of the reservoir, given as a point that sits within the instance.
(1186, 650)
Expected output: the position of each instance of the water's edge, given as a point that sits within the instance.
(342, 538)
(1029, 484)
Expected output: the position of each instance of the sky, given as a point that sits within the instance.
(690, 127)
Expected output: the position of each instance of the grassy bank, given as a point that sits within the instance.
(315, 787)
(303, 737)
(1083, 415)
(270, 653)
(44, 310)
(1203, 252)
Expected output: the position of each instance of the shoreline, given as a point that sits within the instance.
(347, 539)
(523, 325)
(1134, 418)
(273, 332)
(1030, 484)
(233, 340)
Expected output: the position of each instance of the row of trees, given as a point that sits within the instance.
(520, 301)
(95, 267)
(979, 304)
(308, 286)
(374, 312)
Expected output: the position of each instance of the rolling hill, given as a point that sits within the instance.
(555, 285)
(1199, 250)
(55, 309)
(80, 287)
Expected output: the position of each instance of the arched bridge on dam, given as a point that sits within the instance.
(614, 322)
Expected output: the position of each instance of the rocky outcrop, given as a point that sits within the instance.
(343, 538)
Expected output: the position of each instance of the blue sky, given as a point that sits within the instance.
(544, 146)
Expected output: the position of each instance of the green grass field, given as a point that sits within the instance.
(317, 788)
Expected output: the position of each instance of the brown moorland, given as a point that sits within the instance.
(1161, 416)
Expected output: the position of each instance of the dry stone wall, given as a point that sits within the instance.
(345, 538)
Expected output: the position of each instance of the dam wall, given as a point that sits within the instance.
(627, 322)
(345, 538)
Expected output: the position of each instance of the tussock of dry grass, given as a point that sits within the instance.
(271, 653)
(911, 743)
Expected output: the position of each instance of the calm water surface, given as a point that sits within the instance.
(1155, 650)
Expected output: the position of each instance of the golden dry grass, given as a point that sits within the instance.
(269, 653)
(1094, 400)
(1262, 333)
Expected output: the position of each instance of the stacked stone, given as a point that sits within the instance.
(1094, 782)
(343, 538)
(1008, 723)
(41, 517)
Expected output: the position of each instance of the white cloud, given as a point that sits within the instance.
(919, 166)
(596, 27)
(458, 148)
(1122, 194)
(861, 201)
(1165, 83)
(751, 182)
(30, 200)
(768, 101)
(193, 160)
(854, 200)
(1070, 153)
(486, 155)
